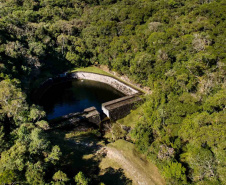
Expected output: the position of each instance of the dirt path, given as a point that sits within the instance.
(138, 169)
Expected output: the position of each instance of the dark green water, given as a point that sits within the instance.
(75, 96)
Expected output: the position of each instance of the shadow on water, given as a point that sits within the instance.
(78, 148)
(75, 96)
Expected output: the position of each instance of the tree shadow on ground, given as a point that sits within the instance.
(113, 176)
(79, 154)
(73, 151)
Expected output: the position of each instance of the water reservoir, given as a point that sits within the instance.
(76, 95)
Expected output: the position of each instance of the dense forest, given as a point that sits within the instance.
(177, 48)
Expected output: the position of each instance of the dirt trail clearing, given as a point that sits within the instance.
(138, 169)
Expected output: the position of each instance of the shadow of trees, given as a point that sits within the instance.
(113, 176)
(78, 154)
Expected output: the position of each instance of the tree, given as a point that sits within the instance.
(117, 132)
(12, 100)
(202, 163)
(80, 179)
(2, 142)
(60, 177)
(73, 58)
(36, 113)
(38, 142)
(141, 66)
(35, 173)
(54, 156)
(37, 48)
(62, 41)
(143, 136)
(175, 173)
(43, 124)
(13, 159)
(8, 177)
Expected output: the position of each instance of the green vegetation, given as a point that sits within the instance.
(80, 179)
(26, 153)
(92, 69)
(177, 48)
(131, 119)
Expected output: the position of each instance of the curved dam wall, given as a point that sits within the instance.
(115, 109)
(122, 87)
(118, 108)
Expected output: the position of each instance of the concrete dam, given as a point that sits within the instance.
(114, 109)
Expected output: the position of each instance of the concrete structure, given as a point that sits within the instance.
(122, 87)
(119, 108)
(92, 116)
(89, 115)
(115, 109)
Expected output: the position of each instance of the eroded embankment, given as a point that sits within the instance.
(138, 169)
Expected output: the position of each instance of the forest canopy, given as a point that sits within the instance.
(177, 48)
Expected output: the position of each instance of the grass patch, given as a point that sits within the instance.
(106, 163)
(132, 118)
(72, 134)
(92, 69)
(123, 145)
(92, 136)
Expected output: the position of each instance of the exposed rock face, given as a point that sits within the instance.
(125, 89)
